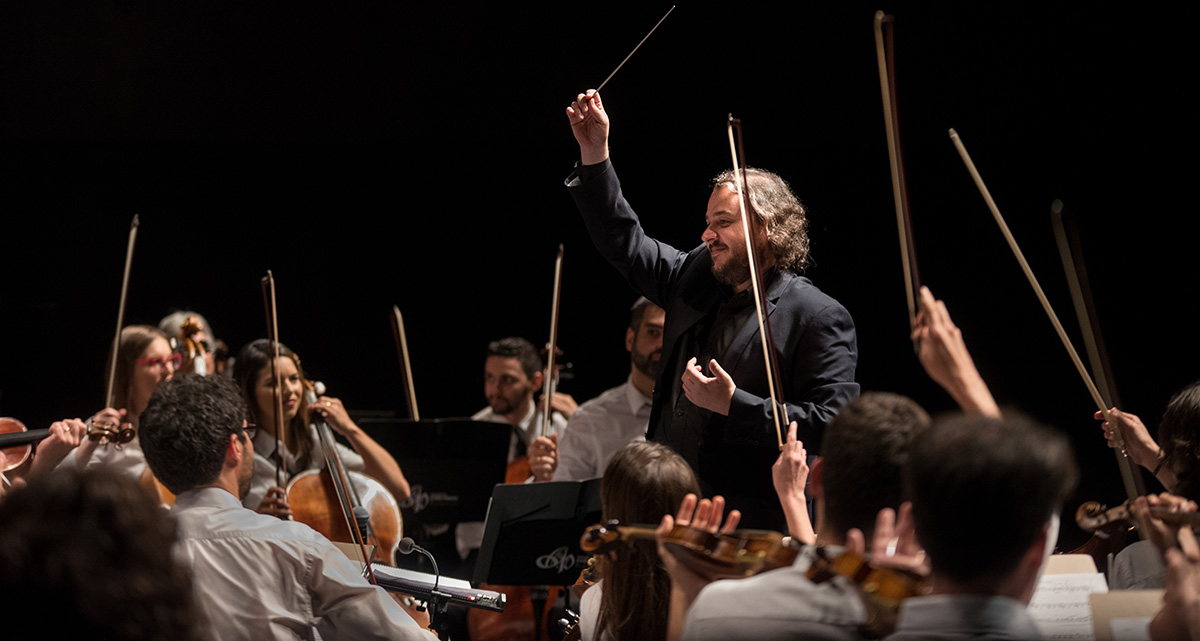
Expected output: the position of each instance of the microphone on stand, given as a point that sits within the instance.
(408, 546)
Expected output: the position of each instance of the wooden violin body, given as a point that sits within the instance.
(314, 502)
(881, 588)
(739, 554)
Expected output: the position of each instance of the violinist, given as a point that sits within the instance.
(512, 374)
(711, 402)
(857, 476)
(1179, 617)
(301, 451)
(968, 473)
(633, 598)
(605, 424)
(1176, 463)
(144, 361)
(255, 577)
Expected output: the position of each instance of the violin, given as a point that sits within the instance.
(1093, 516)
(17, 446)
(881, 588)
(735, 555)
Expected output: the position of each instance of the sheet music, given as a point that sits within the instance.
(1060, 605)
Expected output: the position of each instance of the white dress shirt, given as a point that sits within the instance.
(598, 429)
(257, 577)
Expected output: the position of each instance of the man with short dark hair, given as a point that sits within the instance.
(866, 448)
(256, 577)
(619, 416)
(986, 495)
(713, 404)
(512, 375)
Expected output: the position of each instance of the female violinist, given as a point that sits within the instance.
(633, 599)
(301, 450)
(144, 361)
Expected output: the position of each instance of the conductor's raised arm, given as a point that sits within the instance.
(589, 123)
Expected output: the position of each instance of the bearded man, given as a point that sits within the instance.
(712, 403)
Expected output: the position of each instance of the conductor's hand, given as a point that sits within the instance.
(713, 393)
(589, 123)
(543, 458)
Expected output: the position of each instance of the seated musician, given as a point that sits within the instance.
(986, 496)
(87, 555)
(1176, 464)
(857, 477)
(256, 577)
(858, 474)
(633, 598)
(619, 416)
(144, 361)
(299, 447)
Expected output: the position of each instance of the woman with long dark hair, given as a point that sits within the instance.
(300, 449)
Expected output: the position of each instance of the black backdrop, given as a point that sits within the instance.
(391, 153)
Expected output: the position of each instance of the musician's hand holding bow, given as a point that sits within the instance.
(945, 358)
(713, 393)
(275, 503)
(543, 458)
(1139, 445)
(589, 123)
(790, 474)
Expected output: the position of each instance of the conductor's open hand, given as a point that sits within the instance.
(713, 393)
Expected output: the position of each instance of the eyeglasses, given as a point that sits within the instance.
(251, 430)
(159, 362)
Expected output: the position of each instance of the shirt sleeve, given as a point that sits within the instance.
(348, 607)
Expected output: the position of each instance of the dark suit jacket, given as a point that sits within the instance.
(814, 339)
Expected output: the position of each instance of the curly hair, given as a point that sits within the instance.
(88, 554)
(1179, 437)
(186, 426)
(775, 206)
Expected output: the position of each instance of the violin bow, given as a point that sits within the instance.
(1037, 288)
(410, 392)
(1070, 249)
(116, 344)
(552, 349)
(268, 288)
(885, 53)
(741, 180)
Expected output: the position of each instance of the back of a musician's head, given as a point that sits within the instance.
(87, 555)
(185, 429)
(864, 453)
(984, 490)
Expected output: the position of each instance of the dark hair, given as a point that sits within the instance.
(185, 429)
(87, 554)
(864, 453)
(982, 483)
(773, 203)
(1179, 438)
(134, 340)
(520, 349)
(638, 312)
(249, 364)
(642, 482)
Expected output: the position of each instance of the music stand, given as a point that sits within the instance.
(532, 533)
(452, 464)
